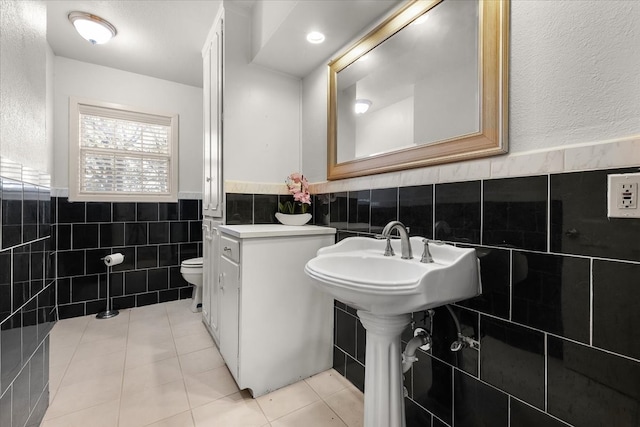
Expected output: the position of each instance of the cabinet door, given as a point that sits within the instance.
(229, 313)
(212, 89)
(214, 295)
(208, 280)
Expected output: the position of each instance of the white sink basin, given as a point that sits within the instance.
(356, 272)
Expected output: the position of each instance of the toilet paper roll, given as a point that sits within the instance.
(113, 259)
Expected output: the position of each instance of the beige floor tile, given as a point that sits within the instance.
(184, 419)
(317, 414)
(62, 338)
(188, 327)
(199, 340)
(147, 312)
(137, 379)
(104, 415)
(327, 383)
(85, 394)
(103, 331)
(287, 399)
(143, 353)
(349, 405)
(121, 318)
(153, 404)
(150, 332)
(237, 410)
(80, 370)
(91, 349)
(201, 360)
(76, 324)
(61, 356)
(178, 306)
(205, 387)
(152, 321)
(158, 386)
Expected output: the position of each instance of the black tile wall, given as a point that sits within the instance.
(27, 301)
(153, 237)
(457, 212)
(416, 209)
(239, 209)
(515, 213)
(557, 319)
(359, 211)
(264, 208)
(616, 300)
(384, 208)
(579, 222)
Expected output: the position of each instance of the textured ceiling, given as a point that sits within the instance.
(161, 39)
(164, 38)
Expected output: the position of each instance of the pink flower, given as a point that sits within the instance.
(298, 186)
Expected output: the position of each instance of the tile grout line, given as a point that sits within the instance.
(124, 367)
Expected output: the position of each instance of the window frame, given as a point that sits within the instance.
(124, 112)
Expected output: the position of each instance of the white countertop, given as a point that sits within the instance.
(252, 231)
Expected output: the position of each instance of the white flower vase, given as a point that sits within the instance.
(293, 219)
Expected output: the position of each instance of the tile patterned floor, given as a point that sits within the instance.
(158, 366)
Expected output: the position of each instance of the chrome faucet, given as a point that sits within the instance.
(426, 254)
(405, 245)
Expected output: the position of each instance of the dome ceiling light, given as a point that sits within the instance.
(362, 105)
(315, 37)
(92, 28)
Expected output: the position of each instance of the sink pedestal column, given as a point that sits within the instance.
(383, 385)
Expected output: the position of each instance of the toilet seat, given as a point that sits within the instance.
(192, 262)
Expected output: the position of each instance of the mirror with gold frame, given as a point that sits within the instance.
(434, 79)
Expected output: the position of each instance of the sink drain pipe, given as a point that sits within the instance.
(421, 339)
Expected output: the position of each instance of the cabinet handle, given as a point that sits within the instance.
(208, 179)
(221, 281)
(227, 249)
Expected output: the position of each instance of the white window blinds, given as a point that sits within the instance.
(123, 153)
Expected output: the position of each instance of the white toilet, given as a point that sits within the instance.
(191, 270)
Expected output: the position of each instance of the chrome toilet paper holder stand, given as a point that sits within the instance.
(108, 312)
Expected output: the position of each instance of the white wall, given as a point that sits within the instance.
(314, 125)
(573, 78)
(262, 112)
(89, 81)
(23, 84)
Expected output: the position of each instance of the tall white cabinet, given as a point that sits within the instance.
(276, 326)
(212, 195)
(212, 60)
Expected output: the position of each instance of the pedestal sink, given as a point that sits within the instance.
(385, 290)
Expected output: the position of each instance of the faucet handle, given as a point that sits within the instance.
(426, 254)
(388, 250)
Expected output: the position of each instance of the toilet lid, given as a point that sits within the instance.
(192, 261)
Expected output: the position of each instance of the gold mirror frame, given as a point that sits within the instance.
(491, 140)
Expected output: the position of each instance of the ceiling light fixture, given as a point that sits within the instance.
(92, 28)
(315, 37)
(362, 105)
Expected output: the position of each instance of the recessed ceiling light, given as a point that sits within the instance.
(362, 105)
(315, 37)
(92, 28)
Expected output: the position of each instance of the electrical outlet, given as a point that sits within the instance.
(622, 197)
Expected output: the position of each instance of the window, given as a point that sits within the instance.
(118, 153)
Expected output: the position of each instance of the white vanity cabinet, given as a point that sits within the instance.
(276, 326)
(210, 276)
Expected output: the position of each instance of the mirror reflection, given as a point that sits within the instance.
(430, 86)
(418, 87)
